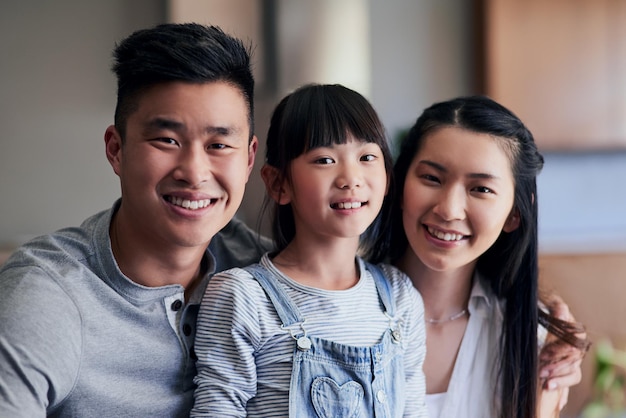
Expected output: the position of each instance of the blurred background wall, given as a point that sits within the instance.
(57, 96)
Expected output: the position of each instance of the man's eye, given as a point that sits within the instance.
(218, 146)
(169, 141)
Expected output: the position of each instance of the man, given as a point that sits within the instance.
(99, 320)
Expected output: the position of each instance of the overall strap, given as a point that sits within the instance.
(287, 310)
(384, 289)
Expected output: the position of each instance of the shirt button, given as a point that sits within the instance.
(187, 329)
(177, 304)
(381, 396)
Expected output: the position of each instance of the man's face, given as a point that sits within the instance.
(184, 163)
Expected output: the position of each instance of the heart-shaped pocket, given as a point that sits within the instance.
(331, 400)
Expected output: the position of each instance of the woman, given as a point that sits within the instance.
(466, 233)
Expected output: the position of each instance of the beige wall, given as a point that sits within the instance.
(594, 286)
(57, 96)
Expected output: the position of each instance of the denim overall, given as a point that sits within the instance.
(332, 380)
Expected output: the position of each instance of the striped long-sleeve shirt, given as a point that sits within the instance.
(245, 358)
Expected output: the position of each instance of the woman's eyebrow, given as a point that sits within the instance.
(443, 169)
(434, 165)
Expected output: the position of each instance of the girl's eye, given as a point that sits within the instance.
(324, 160)
(368, 157)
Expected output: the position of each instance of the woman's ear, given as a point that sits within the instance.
(512, 222)
(274, 184)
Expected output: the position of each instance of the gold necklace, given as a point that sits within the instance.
(444, 320)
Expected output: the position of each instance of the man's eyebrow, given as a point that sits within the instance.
(174, 125)
(439, 167)
(164, 123)
(219, 130)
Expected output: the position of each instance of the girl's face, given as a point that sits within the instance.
(458, 197)
(336, 191)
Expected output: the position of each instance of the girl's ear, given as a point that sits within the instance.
(274, 184)
(512, 222)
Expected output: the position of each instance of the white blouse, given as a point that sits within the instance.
(472, 387)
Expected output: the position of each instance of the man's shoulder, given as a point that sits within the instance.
(237, 245)
(60, 249)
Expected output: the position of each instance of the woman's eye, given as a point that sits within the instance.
(430, 178)
(483, 189)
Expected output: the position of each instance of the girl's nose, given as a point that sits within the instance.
(349, 177)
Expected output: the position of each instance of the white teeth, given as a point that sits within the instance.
(446, 236)
(189, 204)
(349, 205)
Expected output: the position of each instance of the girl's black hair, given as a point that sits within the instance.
(511, 264)
(320, 115)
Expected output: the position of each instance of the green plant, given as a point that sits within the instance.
(609, 387)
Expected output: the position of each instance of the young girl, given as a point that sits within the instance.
(314, 330)
(466, 233)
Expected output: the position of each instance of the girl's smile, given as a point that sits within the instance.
(347, 205)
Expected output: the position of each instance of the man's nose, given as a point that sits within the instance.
(193, 166)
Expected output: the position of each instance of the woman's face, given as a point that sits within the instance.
(458, 197)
